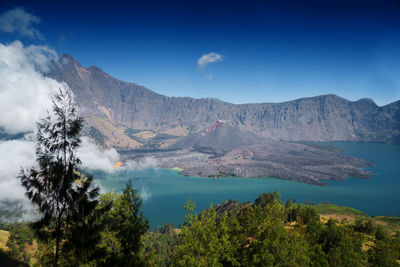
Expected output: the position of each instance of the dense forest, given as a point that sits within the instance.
(264, 233)
(78, 226)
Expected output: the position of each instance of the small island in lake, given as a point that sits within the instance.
(227, 148)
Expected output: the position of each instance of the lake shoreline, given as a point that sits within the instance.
(170, 190)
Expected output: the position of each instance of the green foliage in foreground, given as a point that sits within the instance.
(19, 243)
(119, 227)
(159, 246)
(266, 233)
(269, 233)
(122, 226)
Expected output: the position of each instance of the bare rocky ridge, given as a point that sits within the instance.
(130, 107)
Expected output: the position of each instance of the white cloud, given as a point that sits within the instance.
(209, 76)
(19, 21)
(25, 94)
(145, 194)
(208, 58)
(144, 163)
(94, 158)
(14, 154)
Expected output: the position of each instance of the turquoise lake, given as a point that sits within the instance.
(165, 192)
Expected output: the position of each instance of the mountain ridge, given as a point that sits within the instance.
(131, 106)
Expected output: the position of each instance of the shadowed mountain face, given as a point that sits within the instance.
(112, 107)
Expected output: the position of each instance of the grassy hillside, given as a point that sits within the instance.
(350, 216)
(327, 208)
(4, 235)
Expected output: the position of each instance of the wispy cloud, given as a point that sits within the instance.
(209, 76)
(141, 164)
(96, 159)
(145, 193)
(208, 58)
(19, 21)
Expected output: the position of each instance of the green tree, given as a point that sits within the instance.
(205, 240)
(317, 257)
(160, 246)
(269, 243)
(381, 255)
(342, 245)
(266, 198)
(381, 234)
(20, 239)
(82, 233)
(364, 226)
(52, 185)
(301, 214)
(124, 227)
(386, 250)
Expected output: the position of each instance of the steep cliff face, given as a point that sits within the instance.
(322, 118)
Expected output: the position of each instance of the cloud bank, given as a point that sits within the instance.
(206, 59)
(94, 158)
(14, 154)
(19, 21)
(25, 94)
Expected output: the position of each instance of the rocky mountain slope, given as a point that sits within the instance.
(219, 138)
(118, 110)
(227, 148)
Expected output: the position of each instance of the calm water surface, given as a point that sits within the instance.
(165, 192)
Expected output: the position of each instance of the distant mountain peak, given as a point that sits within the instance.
(367, 101)
(220, 137)
(220, 123)
(66, 58)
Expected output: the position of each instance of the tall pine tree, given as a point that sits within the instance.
(65, 199)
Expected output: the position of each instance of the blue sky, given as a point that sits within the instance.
(269, 51)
